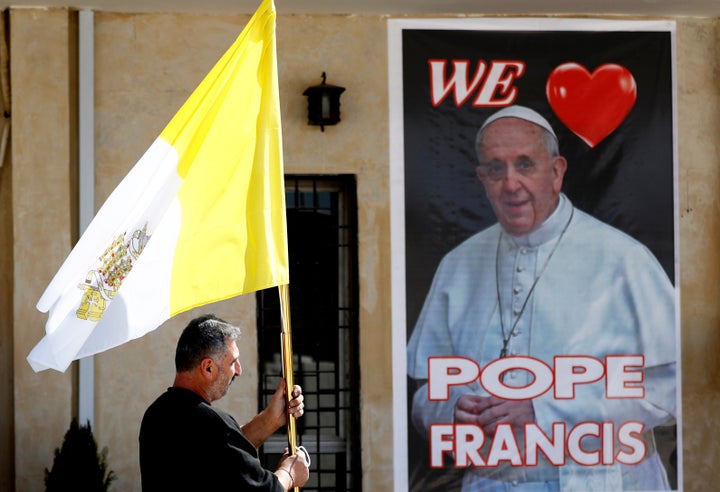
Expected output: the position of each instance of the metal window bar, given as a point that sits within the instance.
(322, 236)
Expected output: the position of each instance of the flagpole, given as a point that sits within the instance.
(287, 359)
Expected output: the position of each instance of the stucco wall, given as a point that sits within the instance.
(42, 224)
(146, 65)
(699, 155)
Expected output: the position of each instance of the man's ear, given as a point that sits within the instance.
(559, 168)
(480, 174)
(207, 367)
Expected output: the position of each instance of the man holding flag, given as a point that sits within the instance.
(187, 444)
(200, 218)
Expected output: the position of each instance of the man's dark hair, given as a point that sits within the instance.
(205, 336)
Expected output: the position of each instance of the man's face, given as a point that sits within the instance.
(228, 368)
(522, 180)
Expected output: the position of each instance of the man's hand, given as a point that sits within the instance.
(296, 406)
(274, 416)
(489, 411)
(279, 407)
(292, 470)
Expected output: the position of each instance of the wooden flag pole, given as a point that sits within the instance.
(287, 360)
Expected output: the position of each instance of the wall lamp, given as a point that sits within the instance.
(323, 104)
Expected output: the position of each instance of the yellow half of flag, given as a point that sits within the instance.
(199, 218)
(228, 139)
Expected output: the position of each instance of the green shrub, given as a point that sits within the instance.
(77, 465)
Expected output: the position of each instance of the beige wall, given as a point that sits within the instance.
(42, 224)
(138, 59)
(146, 65)
(699, 184)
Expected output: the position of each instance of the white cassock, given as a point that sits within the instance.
(601, 293)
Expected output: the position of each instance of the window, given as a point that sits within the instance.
(322, 242)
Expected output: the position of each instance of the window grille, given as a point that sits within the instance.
(322, 245)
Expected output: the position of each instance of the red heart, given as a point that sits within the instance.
(591, 105)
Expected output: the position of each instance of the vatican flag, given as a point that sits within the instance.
(198, 219)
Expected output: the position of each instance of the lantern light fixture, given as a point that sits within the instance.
(323, 104)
